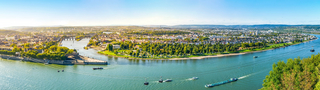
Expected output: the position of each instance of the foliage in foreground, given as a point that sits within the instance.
(296, 74)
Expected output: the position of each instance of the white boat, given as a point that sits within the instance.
(194, 78)
(168, 80)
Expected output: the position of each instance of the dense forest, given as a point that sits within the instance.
(148, 49)
(296, 74)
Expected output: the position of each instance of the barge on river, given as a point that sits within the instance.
(97, 68)
(220, 83)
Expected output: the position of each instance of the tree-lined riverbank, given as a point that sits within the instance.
(199, 56)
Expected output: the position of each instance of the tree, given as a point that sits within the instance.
(227, 49)
(15, 49)
(41, 55)
(62, 49)
(195, 50)
(70, 51)
(244, 45)
(53, 48)
(151, 50)
(110, 47)
(27, 45)
(185, 50)
(121, 46)
(138, 52)
(130, 45)
(294, 75)
(257, 44)
(171, 52)
(251, 44)
(204, 38)
(13, 45)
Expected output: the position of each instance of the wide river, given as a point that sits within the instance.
(130, 74)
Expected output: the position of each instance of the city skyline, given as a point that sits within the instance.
(143, 12)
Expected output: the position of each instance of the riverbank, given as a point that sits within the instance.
(80, 61)
(233, 54)
(241, 52)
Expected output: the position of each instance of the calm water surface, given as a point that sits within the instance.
(130, 74)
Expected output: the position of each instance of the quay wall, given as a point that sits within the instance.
(96, 63)
(10, 57)
(60, 62)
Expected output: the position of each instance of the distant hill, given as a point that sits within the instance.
(15, 27)
(21, 27)
(10, 32)
(156, 26)
(258, 26)
(261, 26)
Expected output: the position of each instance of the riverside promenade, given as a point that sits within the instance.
(87, 60)
(79, 61)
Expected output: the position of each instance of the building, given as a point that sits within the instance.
(116, 46)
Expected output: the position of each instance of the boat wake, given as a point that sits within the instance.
(188, 79)
(242, 77)
(155, 82)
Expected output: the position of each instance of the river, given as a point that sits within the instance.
(130, 74)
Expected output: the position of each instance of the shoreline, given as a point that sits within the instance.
(80, 61)
(203, 57)
(233, 54)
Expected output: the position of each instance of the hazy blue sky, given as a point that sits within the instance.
(157, 12)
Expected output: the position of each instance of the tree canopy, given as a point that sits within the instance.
(296, 74)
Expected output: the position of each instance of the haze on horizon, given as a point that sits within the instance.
(152, 12)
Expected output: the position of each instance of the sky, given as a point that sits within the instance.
(157, 12)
